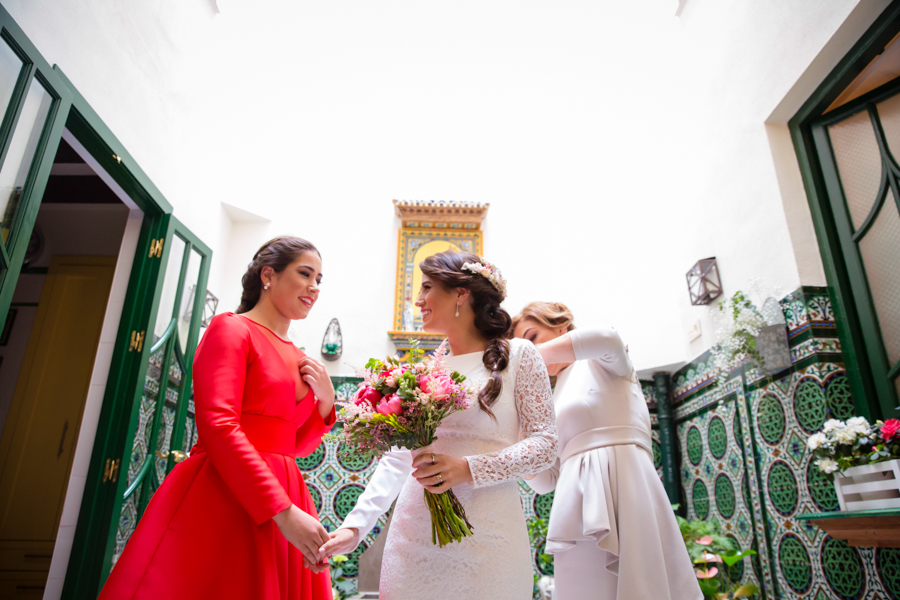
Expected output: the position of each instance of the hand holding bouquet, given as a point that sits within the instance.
(402, 404)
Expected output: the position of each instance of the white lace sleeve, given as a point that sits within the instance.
(537, 449)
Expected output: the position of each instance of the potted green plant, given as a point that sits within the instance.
(342, 587)
(714, 555)
(537, 533)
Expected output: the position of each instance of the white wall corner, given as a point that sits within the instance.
(845, 37)
(787, 170)
(241, 233)
(796, 206)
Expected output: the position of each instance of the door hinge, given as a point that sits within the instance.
(156, 247)
(111, 470)
(137, 341)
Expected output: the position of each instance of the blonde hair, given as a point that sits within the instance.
(549, 314)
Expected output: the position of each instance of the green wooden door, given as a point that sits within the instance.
(162, 421)
(36, 103)
(859, 145)
(147, 422)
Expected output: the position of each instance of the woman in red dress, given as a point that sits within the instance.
(235, 520)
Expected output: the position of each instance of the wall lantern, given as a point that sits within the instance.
(210, 304)
(703, 282)
(333, 342)
(209, 309)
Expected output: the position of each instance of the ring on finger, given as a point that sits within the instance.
(439, 478)
(432, 457)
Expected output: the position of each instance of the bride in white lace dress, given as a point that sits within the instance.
(479, 452)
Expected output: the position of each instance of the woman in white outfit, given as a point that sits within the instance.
(479, 452)
(612, 531)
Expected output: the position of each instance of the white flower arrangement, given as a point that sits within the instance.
(840, 446)
(489, 272)
(740, 321)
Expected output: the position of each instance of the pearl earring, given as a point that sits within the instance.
(457, 309)
(265, 287)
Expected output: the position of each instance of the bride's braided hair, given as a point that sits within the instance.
(277, 253)
(493, 322)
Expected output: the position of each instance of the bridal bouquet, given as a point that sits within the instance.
(402, 404)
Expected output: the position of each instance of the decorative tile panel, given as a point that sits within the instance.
(768, 443)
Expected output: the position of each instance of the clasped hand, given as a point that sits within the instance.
(437, 473)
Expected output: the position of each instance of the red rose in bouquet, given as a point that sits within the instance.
(889, 429)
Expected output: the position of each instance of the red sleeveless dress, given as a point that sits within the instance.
(208, 530)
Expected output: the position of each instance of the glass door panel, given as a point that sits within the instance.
(10, 71)
(880, 250)
(170, 287)
(35, 104)
(21, 153)
(859, 162)
(861, 143)
(188, 296)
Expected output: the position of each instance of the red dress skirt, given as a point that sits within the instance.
(208, 530)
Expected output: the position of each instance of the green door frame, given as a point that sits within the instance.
(103, 492)
(96, 529)
(869, 396)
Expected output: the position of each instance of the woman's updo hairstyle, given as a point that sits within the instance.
(445, 268)
(552, 315)
(277, 253)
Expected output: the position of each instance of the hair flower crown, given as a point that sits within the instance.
(489, 272)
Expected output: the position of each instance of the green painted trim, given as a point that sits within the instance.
(667, 438)
(193, 243)
(138, 479)
(855, 271)
(866, 398)
(11, 117)
(34, 67)
(853, 514)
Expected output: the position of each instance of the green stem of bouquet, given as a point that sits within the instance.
(448, 517)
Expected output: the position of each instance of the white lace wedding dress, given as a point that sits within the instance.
(495, 562)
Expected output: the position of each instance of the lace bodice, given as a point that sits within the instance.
(537, 421)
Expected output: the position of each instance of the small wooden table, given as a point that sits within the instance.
(863, 528)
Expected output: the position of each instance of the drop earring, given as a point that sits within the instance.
(457, 309)
(265, 287)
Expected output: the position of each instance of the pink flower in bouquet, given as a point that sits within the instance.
(889, 429)
(370, 395)
(392, 405)
(440, 386)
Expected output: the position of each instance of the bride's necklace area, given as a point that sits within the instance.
(476, 382)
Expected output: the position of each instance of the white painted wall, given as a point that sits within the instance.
(616, 142)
